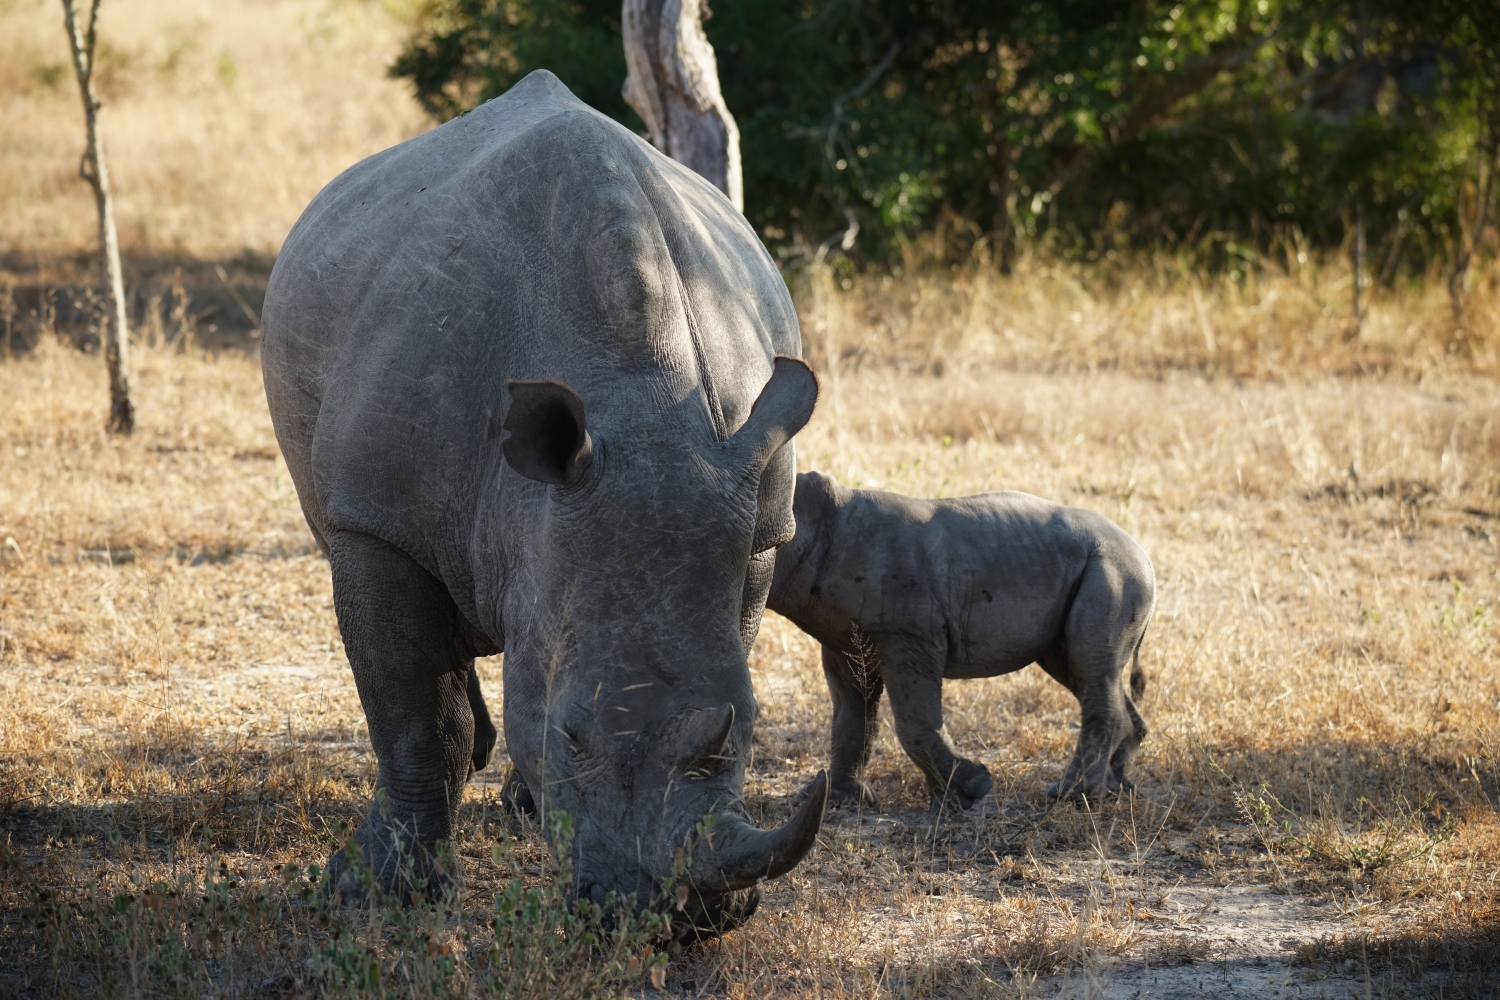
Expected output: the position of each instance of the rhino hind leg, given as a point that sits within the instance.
(1118, 761)
(855, 687)
(1103, 631)
(1106, 739)
(399, 628)
(913, 674)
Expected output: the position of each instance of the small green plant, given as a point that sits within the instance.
(545, 944)
(1462, 616)
(1386, 836)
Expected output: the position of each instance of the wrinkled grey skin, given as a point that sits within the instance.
(512, 365)
(903, 593)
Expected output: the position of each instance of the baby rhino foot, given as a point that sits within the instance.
(854, 793)
(1081, 790)
(970, 783)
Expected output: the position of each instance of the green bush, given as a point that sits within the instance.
(1229, 128)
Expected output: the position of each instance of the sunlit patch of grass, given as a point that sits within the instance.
(1283, 320)
(221, 122)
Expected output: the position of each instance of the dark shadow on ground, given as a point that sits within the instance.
(174, 300)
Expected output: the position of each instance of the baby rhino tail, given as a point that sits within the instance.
(1137, 675)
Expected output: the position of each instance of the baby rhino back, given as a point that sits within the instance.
(1017, 566)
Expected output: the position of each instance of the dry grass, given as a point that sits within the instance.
(222, 119)
(1287, 317)
(1322, 695)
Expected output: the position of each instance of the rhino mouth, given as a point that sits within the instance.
(704, 919)
(719, 890)
(697, 917)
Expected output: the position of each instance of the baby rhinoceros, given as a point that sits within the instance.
(903, 593)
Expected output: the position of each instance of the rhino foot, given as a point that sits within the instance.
(1084, 792)
(384, 861)
(969, 784)
(852, 792)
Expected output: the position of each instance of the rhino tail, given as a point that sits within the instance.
(1137, 675)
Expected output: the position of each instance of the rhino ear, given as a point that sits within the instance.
(783, 408)
(549, 438)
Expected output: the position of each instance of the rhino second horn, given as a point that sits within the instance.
(743, 855)
(714, 733)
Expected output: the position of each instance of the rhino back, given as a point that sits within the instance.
(532, 238)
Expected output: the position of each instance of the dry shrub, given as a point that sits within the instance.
(204, 928)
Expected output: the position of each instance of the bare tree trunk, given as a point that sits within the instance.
(92, 169)
(673, 84)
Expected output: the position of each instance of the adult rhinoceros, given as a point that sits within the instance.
(533, 383)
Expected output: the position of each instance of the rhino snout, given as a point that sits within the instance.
(726, 868)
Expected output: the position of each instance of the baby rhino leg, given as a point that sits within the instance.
(914, 676)
(1105, 741)
(1102, 632)
(1117, 763)
(485, 734)
(855, 686)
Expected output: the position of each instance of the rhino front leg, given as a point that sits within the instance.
(914, 676)
(855, 687)
(411, 668)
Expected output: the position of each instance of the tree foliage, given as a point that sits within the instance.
(468, 51)
(1228, 127)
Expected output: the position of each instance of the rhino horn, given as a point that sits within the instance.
(741, 855)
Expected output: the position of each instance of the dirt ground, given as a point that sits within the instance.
(1315, 813)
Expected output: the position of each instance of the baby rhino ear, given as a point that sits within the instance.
(549, 438)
